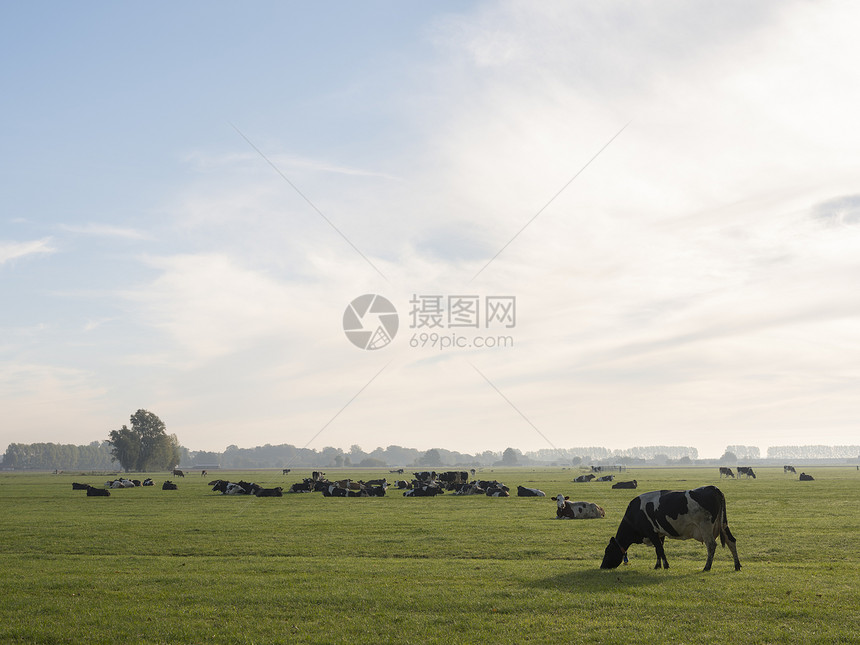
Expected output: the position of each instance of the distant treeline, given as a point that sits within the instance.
(97, 456)
(55, 456)
(813, 452)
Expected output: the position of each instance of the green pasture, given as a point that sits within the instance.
(192, 566)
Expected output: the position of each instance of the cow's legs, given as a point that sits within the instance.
(733, 547)
(661, 554)
(712, 548)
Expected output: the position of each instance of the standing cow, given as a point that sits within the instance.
(698, 514)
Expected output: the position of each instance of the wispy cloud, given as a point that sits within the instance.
(10, 251)
(106, 230)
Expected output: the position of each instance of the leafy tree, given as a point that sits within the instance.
(146, 445)
(510, 457)
(430, 458)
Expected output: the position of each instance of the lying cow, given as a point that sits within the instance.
(631, 484)
(699, 514)
(605, 478)
(97, 492)
(169, 485)
(523, 491)
(806, 478)
(148, 482)
(584, 478)
(77, 486)
(568, 510)
(278, 491)
(424, 490)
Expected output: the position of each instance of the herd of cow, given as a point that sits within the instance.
(650, 518)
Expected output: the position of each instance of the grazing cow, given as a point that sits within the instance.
(746, 471)
(699, 514)
(169, 485)
(725, 470)
(789, 469)
(269, 492)
(605, 478)
(203, 473)
(631, 484)
(97, 492)
(77, 486)
(568, 510)
(522, 491)
(178, 473)
(584, 478)
(806, 478)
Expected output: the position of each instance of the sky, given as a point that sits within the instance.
(576, 224)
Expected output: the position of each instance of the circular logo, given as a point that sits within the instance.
(370, 321)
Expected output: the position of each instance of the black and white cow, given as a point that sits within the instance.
(605, 478)
(148, 482)
(584, 478)
(568, 510)
(698, 514)
(523, 491)
(725, 470)
(789, 469)
(424, 490)
(631, 484)
(746, 471)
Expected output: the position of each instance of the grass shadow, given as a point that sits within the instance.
(605, 579)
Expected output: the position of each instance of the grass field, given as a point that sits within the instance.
(192, 566)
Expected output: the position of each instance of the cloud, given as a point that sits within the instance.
(106, 230)
(10, 251)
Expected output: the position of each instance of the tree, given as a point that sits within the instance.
(146, 445)
(430, 458)
(510, 457)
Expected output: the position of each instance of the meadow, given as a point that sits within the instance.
(193, 566)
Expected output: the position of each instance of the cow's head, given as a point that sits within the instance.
(560, 500)
(613, 555)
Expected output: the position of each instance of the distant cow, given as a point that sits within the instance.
(605, 478)
(148, 482)
(178, 473)
(286, 471)
(269, 492)
(746, 471)
(97, 492)
(584, 478)
(169, 485)
(568, 510)
(522, 491)
(631, 484)
(789, 469)
(424, 490)
(77, 486)
(724, 470)
(699, 514)
(806, 478)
